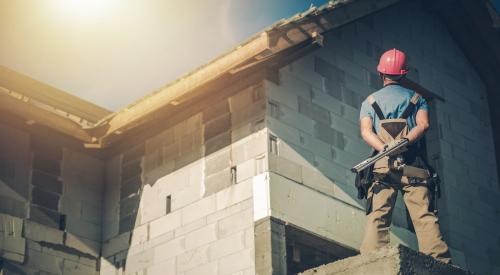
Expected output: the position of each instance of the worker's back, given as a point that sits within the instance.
(393, 101)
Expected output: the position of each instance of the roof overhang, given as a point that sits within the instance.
(264, 48)
(40, 94)
(32, 113)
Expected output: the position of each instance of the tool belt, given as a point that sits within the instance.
(396, 164)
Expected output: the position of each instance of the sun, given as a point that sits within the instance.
(83, 10)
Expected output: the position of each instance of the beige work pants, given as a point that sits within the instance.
(425, 223)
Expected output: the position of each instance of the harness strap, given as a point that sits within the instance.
(409, 110)
(375, 107)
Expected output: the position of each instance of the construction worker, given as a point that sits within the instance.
(391, 113)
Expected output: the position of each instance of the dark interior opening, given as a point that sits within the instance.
(306, 250)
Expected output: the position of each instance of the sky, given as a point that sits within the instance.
(496, 4)
(113, 52)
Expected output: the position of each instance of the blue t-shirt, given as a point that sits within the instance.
(393, 101)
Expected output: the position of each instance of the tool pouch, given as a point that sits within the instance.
(364, 180)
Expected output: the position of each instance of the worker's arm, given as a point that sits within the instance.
(422, 119)
(369, 136)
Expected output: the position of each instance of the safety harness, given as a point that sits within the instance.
(389, 131)
(409, 165)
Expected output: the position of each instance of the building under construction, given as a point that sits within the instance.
(243, 165)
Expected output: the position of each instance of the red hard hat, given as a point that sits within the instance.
(393, 62)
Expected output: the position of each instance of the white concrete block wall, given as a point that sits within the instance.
(316, 121)
(208, 232)
(210, 223)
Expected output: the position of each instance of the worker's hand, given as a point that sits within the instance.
(391, 144)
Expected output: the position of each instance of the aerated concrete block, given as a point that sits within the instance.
(185, 229)
(83, 245)
(294, 84)
(233, 195)
(313, 111)
(82, 228)
(210, 268)
(327, 69)
(219, 109)
(170, 183)
(44, 262)
(217, 182)
(316, 180)
(217, 126)
(172, 248)
(316, 147)
(202, 236)
(71, 267)
(283, 131)
(327, 101)
(11, 226)
(230, 210)
(281, 95)
(12, 248)
(285, 167)
(41, 233)
(329, 135)
(140, 235)
(249, 147)
(245, 98)
(303, 69)
(218, 142)
(164, 267)
(294, 119)
(245, 170)
(139, 262)
(226, 246)
(152, 206)
(45, 199)
(116, 244)
(44, 216)
(192, 258)
(198, 209)
(237, 262)
(165, 224)
(47, 182)
(238, 222)
(217, 161)
(250, 113)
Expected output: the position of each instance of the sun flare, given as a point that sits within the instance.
(83, 10)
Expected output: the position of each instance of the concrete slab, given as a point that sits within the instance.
(390, 260)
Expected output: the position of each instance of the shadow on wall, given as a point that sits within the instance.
(311, 142)
(315, 141)
(50, 200)
(159, 191)
(151, 186)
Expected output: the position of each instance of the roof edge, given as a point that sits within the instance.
(282, 35)
(50, 96)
